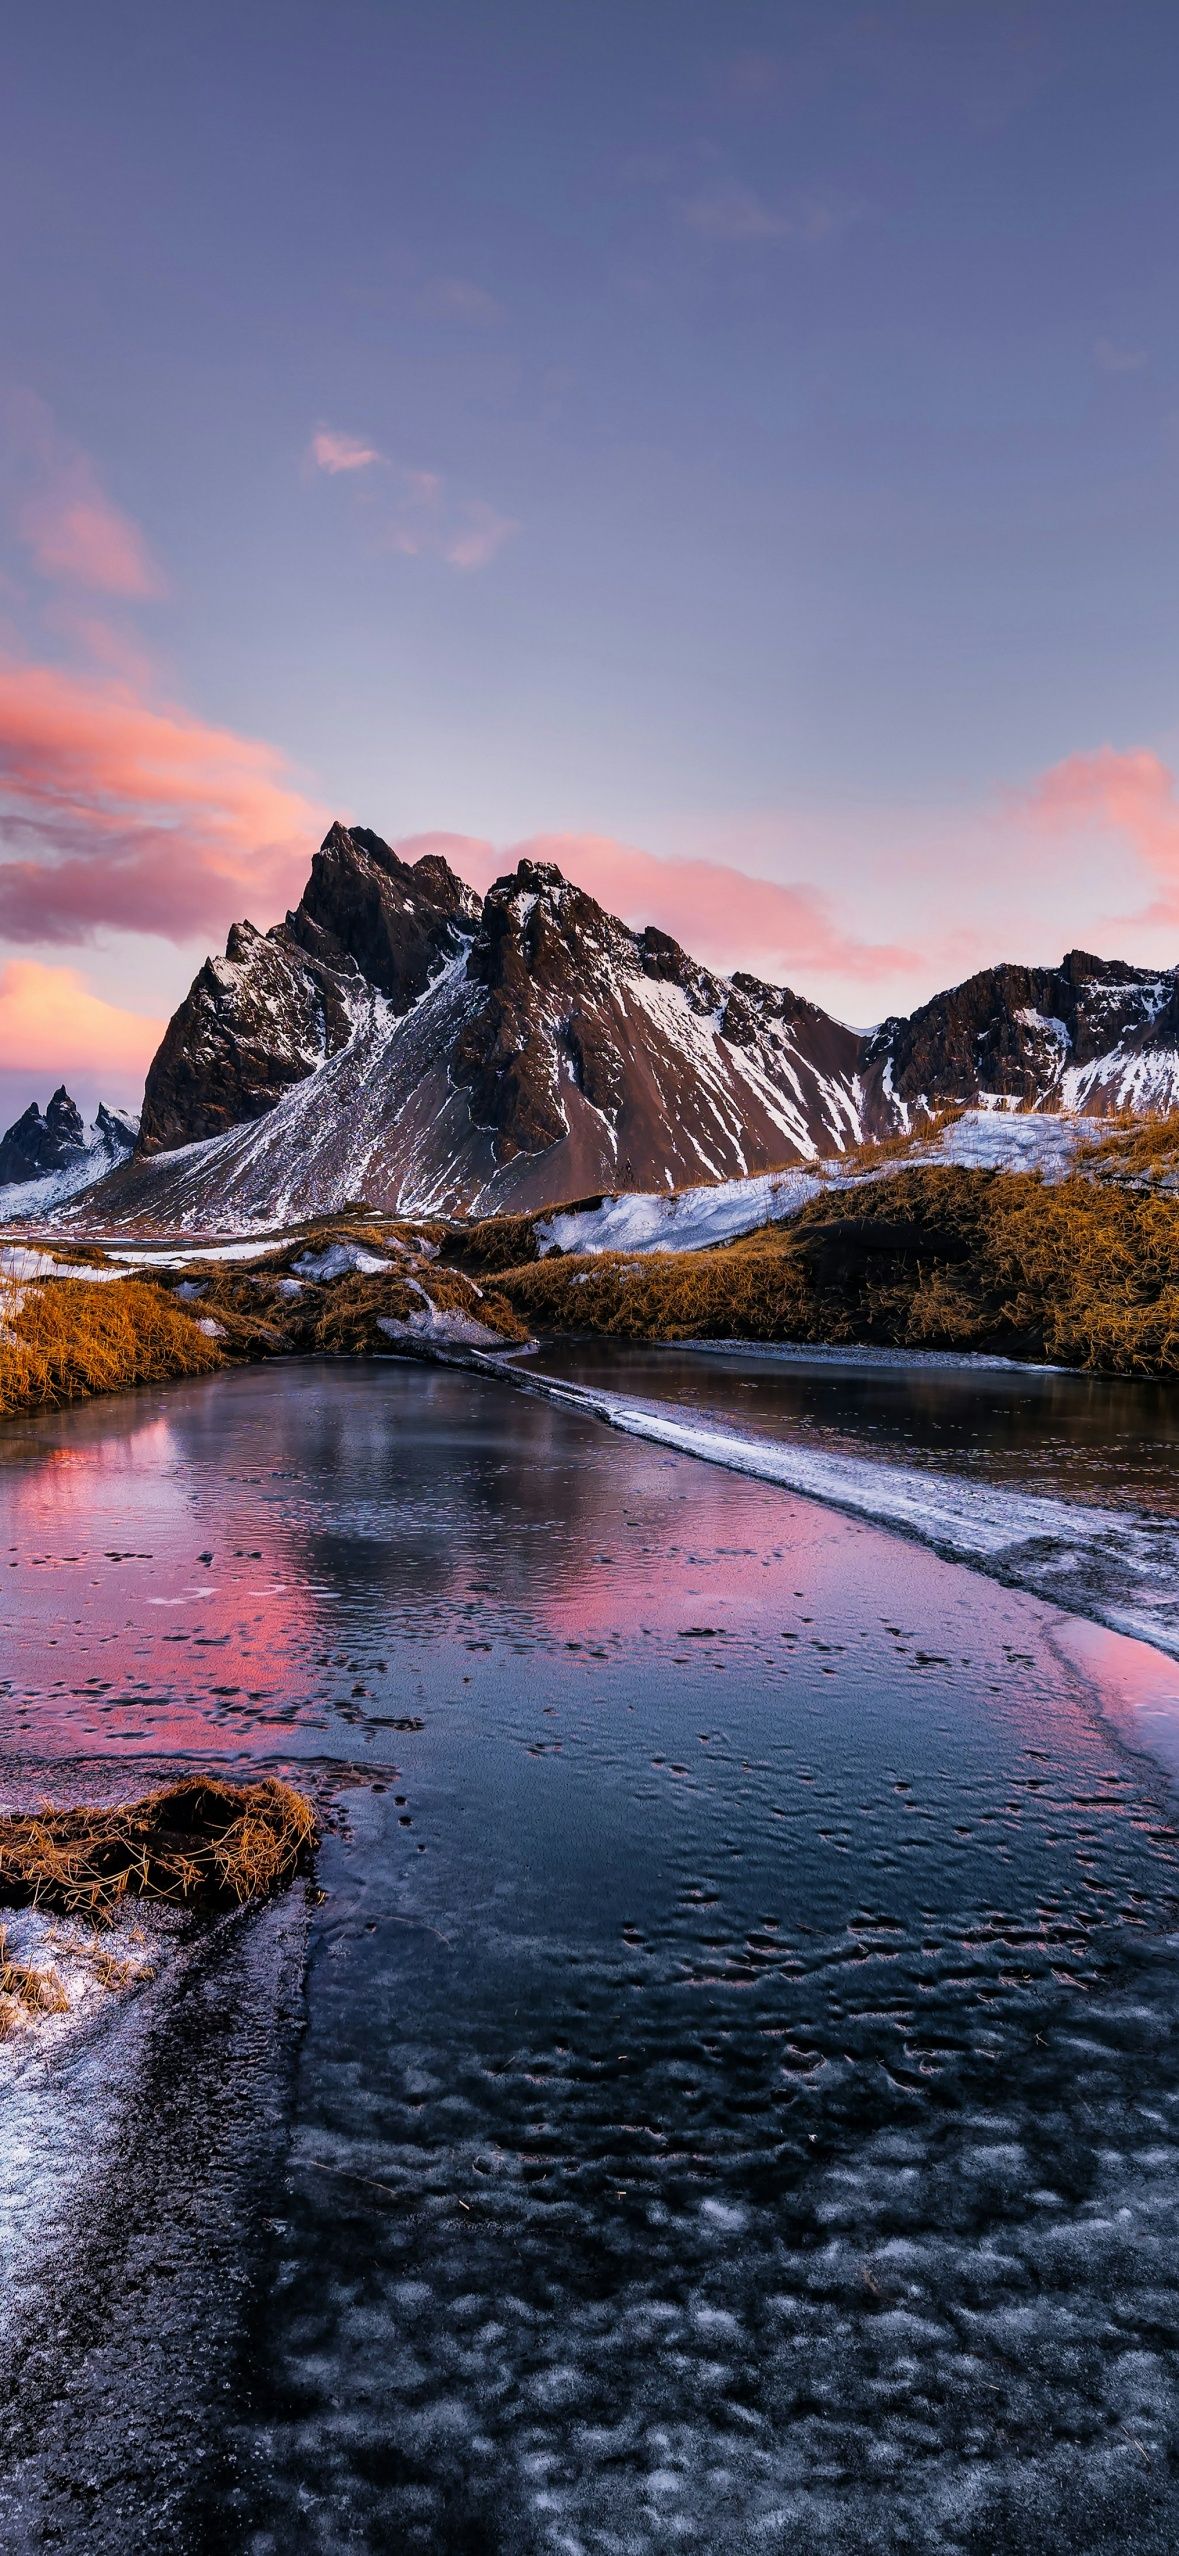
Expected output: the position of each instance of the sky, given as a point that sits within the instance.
(732, 448)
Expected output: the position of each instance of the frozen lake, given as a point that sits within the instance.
(727, 2096)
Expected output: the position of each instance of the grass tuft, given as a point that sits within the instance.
(63, 1338)
(26, 1991)
(197, 1843)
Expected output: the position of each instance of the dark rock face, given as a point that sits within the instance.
(395, 1039)
(1078, 1035)
(397, 920)
(279, 1002)
(41, 1142)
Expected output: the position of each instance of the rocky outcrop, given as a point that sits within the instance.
(53, 1150)
(43, 1140)
(1091, 1034)
(280, 1002)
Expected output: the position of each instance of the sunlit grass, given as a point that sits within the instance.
(1081, 1273)
(67, 1337)
(195, 1843)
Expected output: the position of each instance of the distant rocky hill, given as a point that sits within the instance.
(1091, 1034)
(400, 1040)
(51, 1154)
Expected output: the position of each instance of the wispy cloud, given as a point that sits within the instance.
(415, 513)
(74, 534)
(729, 212)
(1131, 796)
(120, 813)
(721, 914)
(333, 452)
(455, 298)
(476, 535)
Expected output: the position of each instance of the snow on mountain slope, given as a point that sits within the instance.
(52, 1157)
(396, 1039)
(551, 1051)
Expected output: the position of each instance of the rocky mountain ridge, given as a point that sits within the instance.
(52, 1151)
(397, 1038)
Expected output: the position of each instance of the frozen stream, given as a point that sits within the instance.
(728, 2096)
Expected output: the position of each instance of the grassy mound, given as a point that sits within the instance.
(200, 1843)
(1083, 1273)
(70, 1336)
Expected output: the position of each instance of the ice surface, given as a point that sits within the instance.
(1119, 1565)
(735, 2101)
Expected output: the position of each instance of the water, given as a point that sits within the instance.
(728, 2096)
(1108, 1440)
(1061, 1484)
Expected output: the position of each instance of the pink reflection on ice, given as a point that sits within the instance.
(1138, 1687)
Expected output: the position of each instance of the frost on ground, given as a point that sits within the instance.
(130, 2166)
(57, 1972)
(445, 1328)
(341, 1260)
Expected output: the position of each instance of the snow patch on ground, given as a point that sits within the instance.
(692, 1219)
(447, 1329)
(341, 1260)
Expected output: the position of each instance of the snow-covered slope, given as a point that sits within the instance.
(399, 1041)
(539, 1050)
(981, 1140)
(55, 1157)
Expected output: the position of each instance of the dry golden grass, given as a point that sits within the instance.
(199, 1842)
(26, 1992)
(62, 1338)
(490, 1244)
(347, 1323)
(1083, 1274)
(1137, 1149)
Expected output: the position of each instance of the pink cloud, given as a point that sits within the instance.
(72, 531)
(52, 1024)
(476, 535)
(1132, 795)
(722, 915)
(427, 523)
(137, 817)
(418, 516)
(334, 452)
(78, 538)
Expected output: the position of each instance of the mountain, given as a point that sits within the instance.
(398, 1039)
(49, 1155)
(1092, 1034)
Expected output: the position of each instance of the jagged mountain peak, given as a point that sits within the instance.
(53, 1146)
(395, 1037)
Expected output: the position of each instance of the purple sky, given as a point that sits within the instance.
(711, 438)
